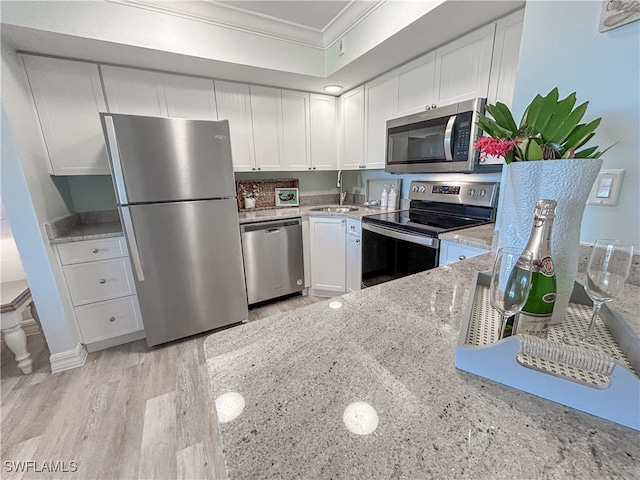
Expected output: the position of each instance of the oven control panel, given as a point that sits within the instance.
(483, 194)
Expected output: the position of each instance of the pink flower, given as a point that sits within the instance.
(497, 147)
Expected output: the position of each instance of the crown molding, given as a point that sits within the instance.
(255, 23)
(227, 16)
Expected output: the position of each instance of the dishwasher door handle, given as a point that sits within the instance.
(272, 230)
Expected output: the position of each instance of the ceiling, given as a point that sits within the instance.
(145, 34)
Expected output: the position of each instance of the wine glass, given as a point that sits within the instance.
(510, 282)
(607, 273)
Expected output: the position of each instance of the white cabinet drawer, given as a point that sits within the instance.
(354, 227)
(454, 252)
(91, 250)
(97, 281)
(113, 318)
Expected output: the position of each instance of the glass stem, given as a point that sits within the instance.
(596, 311)
(503, 324)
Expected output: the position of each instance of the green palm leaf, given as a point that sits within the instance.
(570, 123)
(564, 108)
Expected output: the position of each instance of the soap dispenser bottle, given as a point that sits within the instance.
(392, 198)
(384, 198)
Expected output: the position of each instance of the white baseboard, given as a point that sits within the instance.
(68, 359)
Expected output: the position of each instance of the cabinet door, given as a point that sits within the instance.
(136, 92)
(189, 97)
(463, 66)
(328, 253)
(506, 49)
(295, 130)
(68, 96)
(323, 132)
(352, 129)
(416, 85)
(266, 118)
(234, 104)
(381, 103)
(354, 263)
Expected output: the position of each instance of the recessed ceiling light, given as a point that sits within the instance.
(333, 88)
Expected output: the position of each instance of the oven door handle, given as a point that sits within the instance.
(400, 235)
(448, 133)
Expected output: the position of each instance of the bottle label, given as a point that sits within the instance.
(544, 266)
(549, 298)
(532, 324)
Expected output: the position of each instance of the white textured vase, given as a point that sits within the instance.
(568, 182)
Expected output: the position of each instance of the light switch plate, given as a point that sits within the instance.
(606, 189)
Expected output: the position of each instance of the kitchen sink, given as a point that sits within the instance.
(334, 209)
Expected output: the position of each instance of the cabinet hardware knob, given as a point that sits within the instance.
(95, 250)
(102, 280)
(433, 106)
(314, 168)
(427, 107)
(342, 221)
(309, 168)
(462, 257)
(112, 319)
(253, 168)
(353, 227)
(357, 240)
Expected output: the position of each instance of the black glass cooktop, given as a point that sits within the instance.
(430, 223)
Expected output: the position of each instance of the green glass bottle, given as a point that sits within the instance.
(535, 316)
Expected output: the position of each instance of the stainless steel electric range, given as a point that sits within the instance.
(397, 244)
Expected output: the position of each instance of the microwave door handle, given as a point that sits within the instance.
(448, 133)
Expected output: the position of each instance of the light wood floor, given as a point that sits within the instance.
(131, 412)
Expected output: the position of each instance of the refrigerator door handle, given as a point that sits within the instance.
(116, 164)
(127, 225)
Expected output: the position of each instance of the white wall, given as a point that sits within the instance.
(30, 199)
(561, 47)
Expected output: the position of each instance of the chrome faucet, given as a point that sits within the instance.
(343, 193)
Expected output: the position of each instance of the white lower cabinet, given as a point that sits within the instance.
(328, 255)
(101, 287)
(451, 252)
(354, 255)
(108, 319)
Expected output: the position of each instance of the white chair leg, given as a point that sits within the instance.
(16, 340)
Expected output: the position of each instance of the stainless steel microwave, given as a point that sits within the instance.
(438, 140)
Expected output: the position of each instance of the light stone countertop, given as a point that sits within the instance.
(291, 212)
(478, 237)
(393, 347)
(84, 226)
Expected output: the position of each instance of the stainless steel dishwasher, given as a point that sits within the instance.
(273, 264)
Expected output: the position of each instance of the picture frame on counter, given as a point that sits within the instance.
(287, 197)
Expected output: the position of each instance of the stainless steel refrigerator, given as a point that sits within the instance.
(176, 194)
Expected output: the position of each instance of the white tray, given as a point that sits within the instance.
(605, 384)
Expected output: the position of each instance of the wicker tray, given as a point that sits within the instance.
(604, 383)
(266, 197)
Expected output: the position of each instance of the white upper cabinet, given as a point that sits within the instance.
(351, 135)
(506, 50)
(295, 130)
(135, 92)
(266, 119)
(463, 66)
(234, 105)
(68, 96)
(380, 105)
(189, 97)
(141, 92)
(416, 87)
(322, 128)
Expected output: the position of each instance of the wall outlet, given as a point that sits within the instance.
(606, 189)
